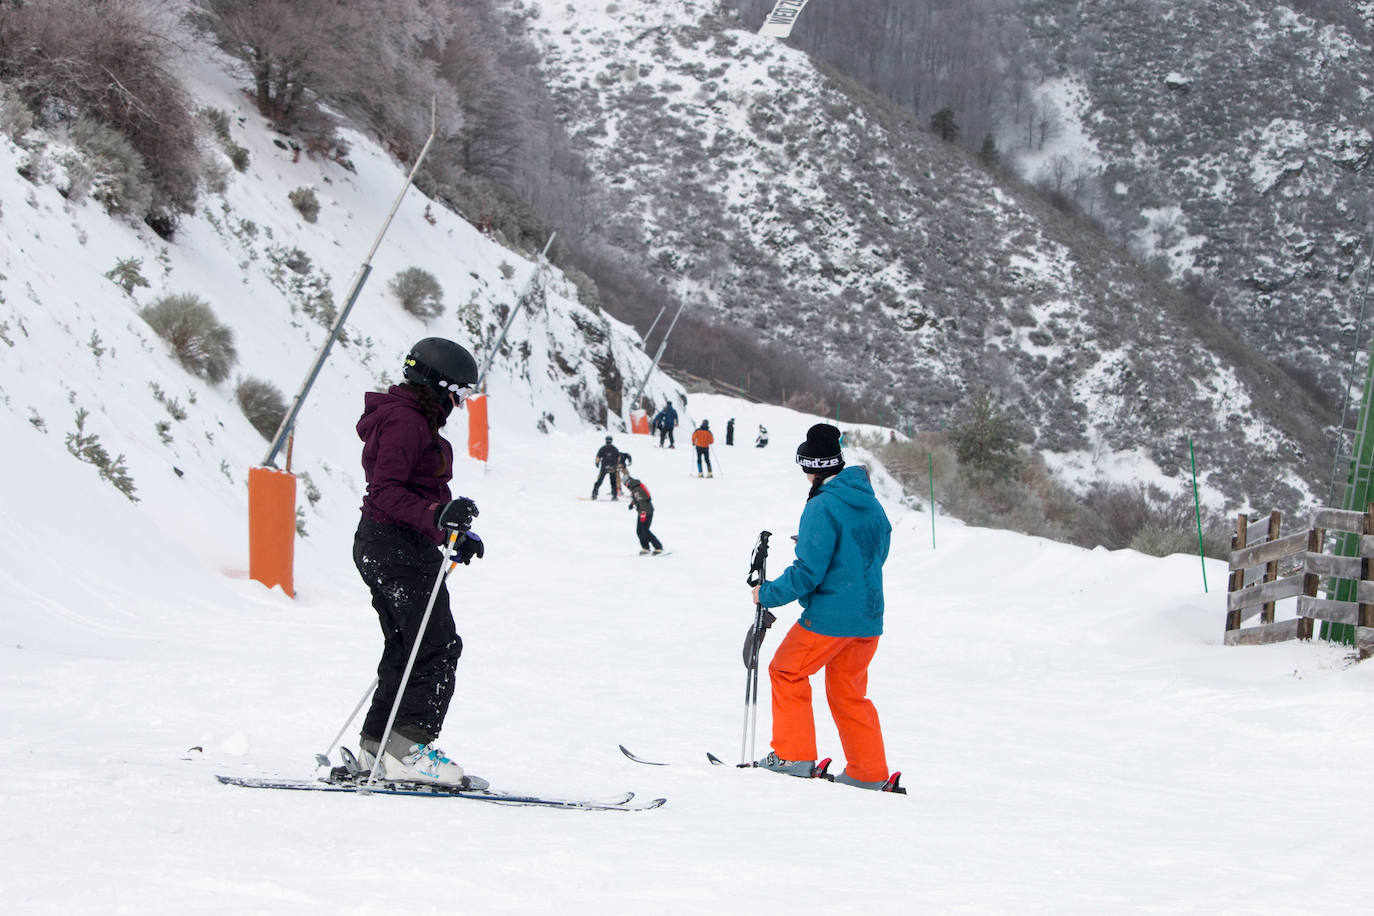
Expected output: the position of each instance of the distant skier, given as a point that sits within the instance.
(665, 421)
(702, 438)
(644, 505)
(407, 510)
(730, 431)
(608, 460)
(762, 439)
(842, 543)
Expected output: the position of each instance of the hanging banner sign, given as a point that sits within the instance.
(779, 22)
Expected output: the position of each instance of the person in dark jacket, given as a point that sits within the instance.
(730, 431)
(837, 576)
(665, 421)
(761, 439)
(644, 505)
(408, 512)
(608, 460)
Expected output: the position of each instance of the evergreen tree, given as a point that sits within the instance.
(942, 124)
(988, 154)
(985, 437)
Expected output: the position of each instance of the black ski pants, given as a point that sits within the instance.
(400, 565)
(704, 453)
(615, 481)
(646, 537)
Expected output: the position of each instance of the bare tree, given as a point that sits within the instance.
(374, 58)
(109, 61)
(1049, 120)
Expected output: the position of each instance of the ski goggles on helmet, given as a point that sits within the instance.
(460, 392)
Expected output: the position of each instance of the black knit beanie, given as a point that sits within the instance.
(820, 453)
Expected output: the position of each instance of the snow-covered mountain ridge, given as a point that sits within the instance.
(779, 196)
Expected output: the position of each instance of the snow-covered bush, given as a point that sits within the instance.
(419, 292)
(127, 274)
(262, 403)
(109, 169)
(202, 345)
(305, 201)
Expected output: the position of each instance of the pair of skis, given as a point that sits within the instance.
(349, 778)
(820, 771)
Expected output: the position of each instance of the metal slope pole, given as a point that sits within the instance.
(649, 333)
(515, 310)
(289, 421)
(657, 356)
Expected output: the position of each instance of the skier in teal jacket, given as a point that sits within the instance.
(842, 543)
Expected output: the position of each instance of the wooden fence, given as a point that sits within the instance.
(1267, 568)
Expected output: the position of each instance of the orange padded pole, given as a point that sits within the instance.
(639, 423)
(272, 527)
(477, 426)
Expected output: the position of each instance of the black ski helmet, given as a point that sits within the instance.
(608, 440)
(441, 364)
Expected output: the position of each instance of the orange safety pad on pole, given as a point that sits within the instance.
(272, 527)
(639, 422)
(477, 426)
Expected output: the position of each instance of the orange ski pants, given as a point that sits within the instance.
(845, 660)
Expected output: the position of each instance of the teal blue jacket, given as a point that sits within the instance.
(842, 543)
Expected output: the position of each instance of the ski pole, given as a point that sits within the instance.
(757, 575)
(454, 539)
(323, 759)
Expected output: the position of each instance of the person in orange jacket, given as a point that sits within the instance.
(702, 439)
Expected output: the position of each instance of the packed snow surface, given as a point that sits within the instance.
(1073, 735)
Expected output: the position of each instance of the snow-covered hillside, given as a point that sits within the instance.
(790, 201)
(1074, 737)
(74, 341)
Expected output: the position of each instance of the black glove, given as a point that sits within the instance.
(469, 545)
(753, 640)
(455, 515)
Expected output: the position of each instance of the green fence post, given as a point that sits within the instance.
(1197, 508)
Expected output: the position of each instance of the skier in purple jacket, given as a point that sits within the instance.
(407, 511)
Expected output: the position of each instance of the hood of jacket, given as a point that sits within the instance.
(851, 487)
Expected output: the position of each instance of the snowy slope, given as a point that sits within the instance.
(1074, 736)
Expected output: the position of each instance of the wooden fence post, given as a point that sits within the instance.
(1311, 582)
(1237, 580)
(1271, 570)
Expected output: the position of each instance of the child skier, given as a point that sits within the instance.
(643, 504)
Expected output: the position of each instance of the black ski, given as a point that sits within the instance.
(712, 758)
(821, 771)
(622, 802)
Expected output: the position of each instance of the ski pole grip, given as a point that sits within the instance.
(760, 559)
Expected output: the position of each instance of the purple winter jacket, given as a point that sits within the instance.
(406, 473)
